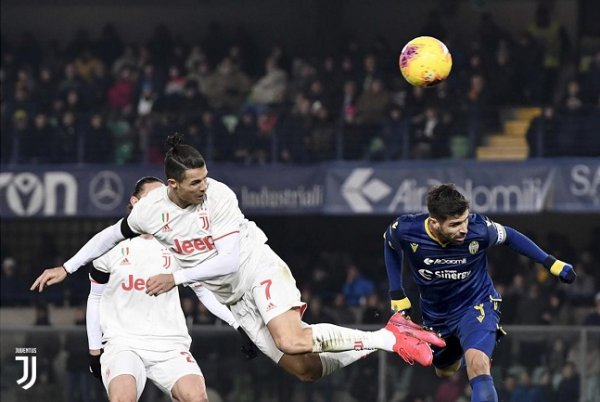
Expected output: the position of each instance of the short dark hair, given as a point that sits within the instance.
(139, 185)
(445, 201)
(181, 157)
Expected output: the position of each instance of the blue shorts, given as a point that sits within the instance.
(474, 328)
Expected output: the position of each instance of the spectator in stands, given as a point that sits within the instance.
(572, 102)
(391, 141)
(45, 89)
(503, 70)
(270, 88)
(583, 293)
(124, 140)
(244, 137)
(505, 390)
(449, 389)
(373, 103)
(11, 293)
(542, 134)
(554, 42)
(85, 64)
(593, 318)
(93, 93)
(320, 139)
(121, 92)
(47, 344)
(201, 75)
(71, 79)
(531, 306)
(38, 150)
(80, 386)
(316, 312)
(193, 103)
(73, 102)
(568, 387)
(340, 311)
(204, 316)
(557, 355)
(17, 138)
(147, 101)
(68, 140)
(98, 142)
(591, 78)
(558, 311)
(227, 87)
(374, 311)
(542, 387)
(189, 307)
(174, 88)
(357, 287)
(429, 135)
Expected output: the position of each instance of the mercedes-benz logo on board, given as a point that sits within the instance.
(106, 190)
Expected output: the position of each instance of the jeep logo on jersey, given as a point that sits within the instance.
(444, 261)
(445, 274)
(134, 284)
(202, 244)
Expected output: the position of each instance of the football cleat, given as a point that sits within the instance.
(398, 323)
(412, 349)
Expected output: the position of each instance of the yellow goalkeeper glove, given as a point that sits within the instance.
(564, 271)
(399, 302)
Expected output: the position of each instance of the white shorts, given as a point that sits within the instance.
(163, 368)
(273, 292)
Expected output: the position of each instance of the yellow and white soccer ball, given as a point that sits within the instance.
(425, 61)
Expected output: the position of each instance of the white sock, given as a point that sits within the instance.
(334, 361)
(331, 338)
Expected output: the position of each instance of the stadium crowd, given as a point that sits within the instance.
(105, 100)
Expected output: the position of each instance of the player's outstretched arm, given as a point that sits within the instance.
(225, 262)
(393, 265)
(211, 303)
(522, 244)
(92, 324)
(94, 248)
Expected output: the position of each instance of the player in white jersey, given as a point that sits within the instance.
(199, 219)
(139, 331)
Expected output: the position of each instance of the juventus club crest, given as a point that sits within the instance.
(29, 359)
(203, 217)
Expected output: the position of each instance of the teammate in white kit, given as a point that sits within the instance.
(198, 218)
(143, 337)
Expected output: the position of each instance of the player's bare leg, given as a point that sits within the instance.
(478, 371)
(478, 363)
(293, 337)
(306, 367)
(289, 334)
(190, 388)
(449, 371)
(310, 367)
(122, 388)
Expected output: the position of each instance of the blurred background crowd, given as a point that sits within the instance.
(102, 99)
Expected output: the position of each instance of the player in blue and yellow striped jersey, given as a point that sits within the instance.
(446, 249)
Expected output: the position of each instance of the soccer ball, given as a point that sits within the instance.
(425, 61)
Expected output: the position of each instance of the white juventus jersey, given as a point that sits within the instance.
(190, 232)
(127, 314)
